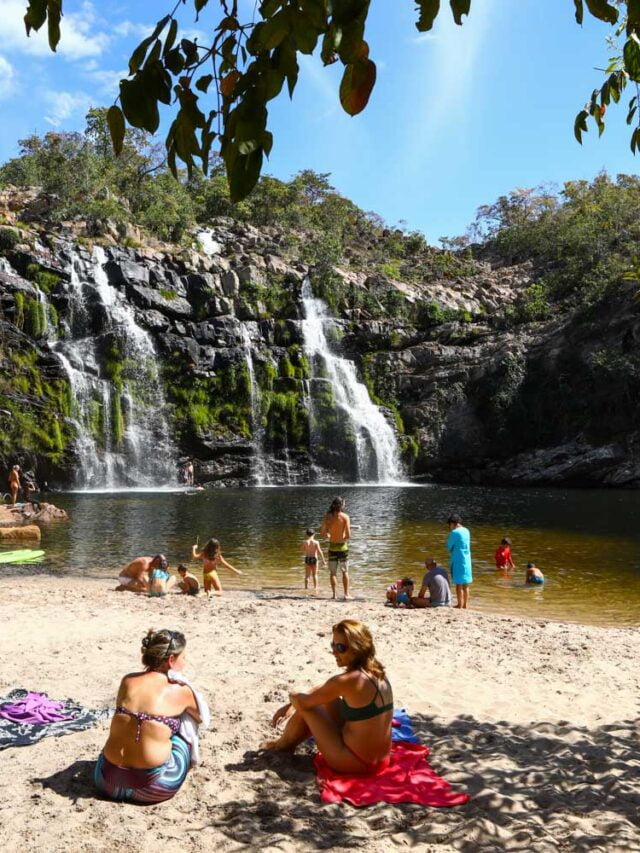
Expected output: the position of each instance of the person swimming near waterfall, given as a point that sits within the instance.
(337, 527)
(212, 558)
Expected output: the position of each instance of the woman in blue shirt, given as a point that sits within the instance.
(459, 546)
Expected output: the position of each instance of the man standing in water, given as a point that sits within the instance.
(14, 483)
(337, 527)
(459, 546)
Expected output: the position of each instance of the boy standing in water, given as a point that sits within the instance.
(311, 550)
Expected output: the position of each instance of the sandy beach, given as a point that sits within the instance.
(538, 721)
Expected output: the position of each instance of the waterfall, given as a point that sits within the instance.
(110, 362)
(376, 448)
(260, 469)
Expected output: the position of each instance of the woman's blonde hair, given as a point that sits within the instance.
(158, 646)
(361, 643)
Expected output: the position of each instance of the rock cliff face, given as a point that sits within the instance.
(117, 362)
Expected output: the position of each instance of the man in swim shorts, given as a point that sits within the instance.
(135, 576)
(337, 526)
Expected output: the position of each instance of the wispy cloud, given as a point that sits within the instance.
(320, 78)
(80, 35)
(449, 67)
(8, 79)
(63, 105)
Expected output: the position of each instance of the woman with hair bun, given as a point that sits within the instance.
(350, 714)
(145, 760)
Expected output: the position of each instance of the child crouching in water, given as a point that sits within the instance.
(211, 559)
(534, 575)
(311, 550)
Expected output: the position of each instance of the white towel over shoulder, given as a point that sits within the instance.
(188, 727)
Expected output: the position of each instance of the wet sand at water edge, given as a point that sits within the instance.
(539, 721)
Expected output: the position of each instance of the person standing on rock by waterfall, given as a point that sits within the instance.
(14, 483)
(337, 527)
(459, 546)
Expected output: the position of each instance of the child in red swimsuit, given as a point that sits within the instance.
(503, 555)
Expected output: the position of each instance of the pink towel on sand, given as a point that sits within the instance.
(35, 708)
(406, 779)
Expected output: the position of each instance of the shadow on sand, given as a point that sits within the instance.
(541, 787)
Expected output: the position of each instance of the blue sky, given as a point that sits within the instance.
(458, 116)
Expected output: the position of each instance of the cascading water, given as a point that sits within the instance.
(260, 469)
(122, 434)
(376, 448)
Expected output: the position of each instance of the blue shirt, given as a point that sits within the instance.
(459, 546)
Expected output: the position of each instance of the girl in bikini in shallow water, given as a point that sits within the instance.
(211, 559)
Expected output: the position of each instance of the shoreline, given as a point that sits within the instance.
(537, 720)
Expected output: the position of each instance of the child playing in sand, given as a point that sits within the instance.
(311, 550)
(400, 592)
(211, 559)
(188, 583)
(534, 575)
(503, 555)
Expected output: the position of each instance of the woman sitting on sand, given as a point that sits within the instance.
(144, 759)
(350, 715)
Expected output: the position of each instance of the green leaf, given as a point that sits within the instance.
(602, 10)
(171, 37)
(115, 122)
(459, 8)
(36, 15)
(139, 109)
(633, 15)
(580, 125)
(631, 56)
(203, 83)
(267, 142)
(268, 8)
(174, 61)
(272, 32)
(199, 4)
(428, 13)
(139, 54)
(579, 10)
(54, 9)
(357, 82)
(305, 34)
(243, 172)
(330, 44)
(190, 50)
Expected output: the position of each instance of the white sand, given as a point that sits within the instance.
(537, 720)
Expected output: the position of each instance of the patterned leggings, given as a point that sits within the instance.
(137, 785)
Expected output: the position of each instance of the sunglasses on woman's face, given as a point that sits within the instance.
(341, 648)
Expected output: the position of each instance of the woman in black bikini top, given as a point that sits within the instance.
(350, 715)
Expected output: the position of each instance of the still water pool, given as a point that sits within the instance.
(587, 542)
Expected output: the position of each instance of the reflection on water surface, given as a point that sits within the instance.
(586, 542)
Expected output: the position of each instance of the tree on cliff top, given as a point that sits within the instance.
(248, 62)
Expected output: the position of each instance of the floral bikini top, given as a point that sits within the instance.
(141, 716)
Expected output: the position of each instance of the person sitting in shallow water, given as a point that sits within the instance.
(350, 714)
(534, 575)
(144, 759)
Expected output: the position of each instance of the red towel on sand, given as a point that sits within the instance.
(406, 779)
